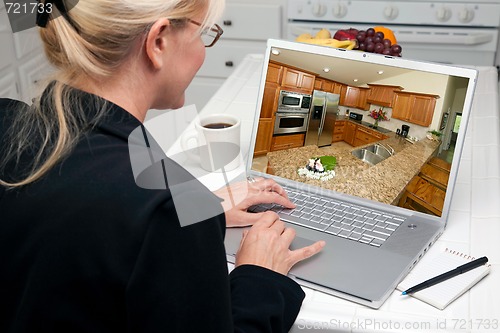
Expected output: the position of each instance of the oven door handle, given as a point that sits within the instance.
(443, 38)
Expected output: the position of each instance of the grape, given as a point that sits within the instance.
(373, 41)
(361, 36)
(396, 49)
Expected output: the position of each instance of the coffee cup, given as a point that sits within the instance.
(217, 139)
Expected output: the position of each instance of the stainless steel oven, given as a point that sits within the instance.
(447, 31)
(294, 102)
(289, 122)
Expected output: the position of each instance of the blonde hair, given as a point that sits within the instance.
(94, 44)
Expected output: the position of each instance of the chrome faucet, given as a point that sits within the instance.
(389, 148)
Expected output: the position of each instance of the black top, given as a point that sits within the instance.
(84, 249)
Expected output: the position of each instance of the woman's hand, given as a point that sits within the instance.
(240, 196)
(267, 244)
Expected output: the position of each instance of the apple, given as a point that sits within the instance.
(346, 34)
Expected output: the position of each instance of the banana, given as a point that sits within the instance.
(341, 44)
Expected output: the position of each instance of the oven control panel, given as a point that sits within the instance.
(445, 13)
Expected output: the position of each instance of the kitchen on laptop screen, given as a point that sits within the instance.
(374, 131)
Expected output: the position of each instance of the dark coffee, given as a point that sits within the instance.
(218, 125)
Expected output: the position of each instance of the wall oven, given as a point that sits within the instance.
(289, 122)
(447, 31)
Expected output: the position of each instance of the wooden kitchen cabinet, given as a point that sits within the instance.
(355, 97)
(350, 132)
(382, 95)
(281, 142)
(274, 73)
(296, 80)
(328, 86)
(264, 137)
(365, 136)
(338, 131)
(414, 108)
(266, 121)
(323, 85)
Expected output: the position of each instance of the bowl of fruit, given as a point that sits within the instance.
(378, 39)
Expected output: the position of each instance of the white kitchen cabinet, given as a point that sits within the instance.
(22, 61)
(247, 26)
(8, 86)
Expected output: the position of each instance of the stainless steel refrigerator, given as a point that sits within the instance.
(322, 116)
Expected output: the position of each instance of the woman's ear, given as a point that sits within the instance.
(156, 42)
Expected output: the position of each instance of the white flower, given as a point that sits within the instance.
(323, 176)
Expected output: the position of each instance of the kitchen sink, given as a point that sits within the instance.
(379, 150)
(372, 154)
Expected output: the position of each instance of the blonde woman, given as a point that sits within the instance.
(82, 247)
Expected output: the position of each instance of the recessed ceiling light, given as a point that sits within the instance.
(380, 72)
(275, 51)
(326, 69)
(355, 80)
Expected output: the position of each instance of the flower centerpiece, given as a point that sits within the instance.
(378, 115)
(319, 168)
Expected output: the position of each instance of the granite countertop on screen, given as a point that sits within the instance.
(383, 182)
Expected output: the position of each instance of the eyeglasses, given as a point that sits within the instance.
(210, 35)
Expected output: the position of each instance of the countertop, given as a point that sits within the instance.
(474, 222)
(382, 182)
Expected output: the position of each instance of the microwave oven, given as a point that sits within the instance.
(294, 102)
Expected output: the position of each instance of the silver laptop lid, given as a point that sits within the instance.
(449, 89)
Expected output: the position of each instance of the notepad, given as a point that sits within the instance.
(436, 263)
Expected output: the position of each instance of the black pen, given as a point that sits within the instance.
(445, 276)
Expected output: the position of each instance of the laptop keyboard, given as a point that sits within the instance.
(337, 218)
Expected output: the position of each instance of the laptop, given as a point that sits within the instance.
(362, 268)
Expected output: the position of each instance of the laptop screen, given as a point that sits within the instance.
(385, 129)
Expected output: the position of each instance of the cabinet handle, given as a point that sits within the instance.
(229, 63)
(227, 23)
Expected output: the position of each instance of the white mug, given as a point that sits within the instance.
(217, 138)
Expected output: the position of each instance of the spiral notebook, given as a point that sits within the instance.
(436, 263)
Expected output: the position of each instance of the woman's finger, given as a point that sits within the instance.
(306, 252)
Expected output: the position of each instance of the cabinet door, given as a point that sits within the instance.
(290, 78)
(351, 97)
(337, 88)
(327, 86)
(338, 131)
(239, 21)
(8, 86)
(264, 136)
(269, 100)
(401, 106)
(295, 79)
(274, 73)
(361, 103)
(349, 133)
(318, 84)
(221, 61)
(422, 110)
(307, 82)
